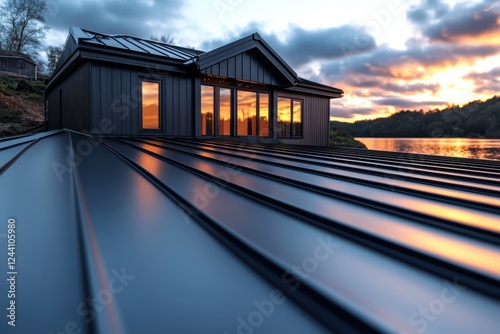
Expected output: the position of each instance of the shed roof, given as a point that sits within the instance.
(136, 235)
(16, 55)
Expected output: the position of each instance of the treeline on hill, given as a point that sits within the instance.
(475, 120)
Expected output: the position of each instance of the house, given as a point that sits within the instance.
(120, 85)
(17, 65)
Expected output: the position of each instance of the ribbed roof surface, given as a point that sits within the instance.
(191, 236)
(135, 44)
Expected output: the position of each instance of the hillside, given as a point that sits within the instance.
(21, 106)
(478, 119)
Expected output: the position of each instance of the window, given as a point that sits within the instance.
(297, 119)
(150, 105)
(224, 112)
(247, 113)
(289, 117)
(263, 115)
(207, 111)
(224, 108)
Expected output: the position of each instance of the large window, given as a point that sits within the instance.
(223, 109)
(289, 117)
(264, 115)
(224, 112)
(247, 113)
(207, 111)
(150, 105)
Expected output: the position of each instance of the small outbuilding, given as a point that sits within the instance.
(118, 85)
(17, 65)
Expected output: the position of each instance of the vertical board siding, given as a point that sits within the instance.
(315, 124)
(73, 108)
(248, 66)
(116, 97)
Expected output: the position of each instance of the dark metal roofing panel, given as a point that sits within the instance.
(192, 236)
(128, 43)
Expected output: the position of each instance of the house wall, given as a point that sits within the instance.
(18, 67)
(69, 101)
(315, 119)
(116, 101)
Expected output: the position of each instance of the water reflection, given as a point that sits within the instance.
(455, 147)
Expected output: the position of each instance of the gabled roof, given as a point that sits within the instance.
(143, 52)
(222, 235)
(242, 45)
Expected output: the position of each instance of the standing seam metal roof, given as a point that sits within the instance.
(128, 235)
(130, 43)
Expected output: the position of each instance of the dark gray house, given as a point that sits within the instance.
(17, 65)
(120, 85)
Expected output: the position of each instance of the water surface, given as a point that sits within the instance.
(454, 147)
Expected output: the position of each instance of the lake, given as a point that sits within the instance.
(454, 147)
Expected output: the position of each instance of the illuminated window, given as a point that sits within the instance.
(264, 115)
(289, 117)
(207, 111)
(249, 115)
(150, 105)
(224, 112)
(297, 119)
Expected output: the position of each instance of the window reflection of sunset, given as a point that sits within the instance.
(150, 105)
(225, 112)
(263, 115)
(247, 113)
(297, 112)
(284, 108)
(207, 110)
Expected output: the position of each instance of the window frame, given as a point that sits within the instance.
(214, 118)
(234, 88)
(158, 81)
(292, 101)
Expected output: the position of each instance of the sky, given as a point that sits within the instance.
(386, 55)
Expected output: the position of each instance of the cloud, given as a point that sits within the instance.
(303, 46)
(342, 111)
(411, 88)
(464, 22)
(133, 17)
(405, 103)
(416, 63)
(485, 82)
(428, 10)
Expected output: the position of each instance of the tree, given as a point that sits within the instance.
(164, 39)
(22, 26)
(53, 55)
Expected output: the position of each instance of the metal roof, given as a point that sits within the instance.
(131, 235)
(134, 44)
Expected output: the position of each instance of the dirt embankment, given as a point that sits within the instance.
(21, 106)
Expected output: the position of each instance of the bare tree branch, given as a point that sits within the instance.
(22, 26)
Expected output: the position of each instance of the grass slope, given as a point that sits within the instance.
(21, 106)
